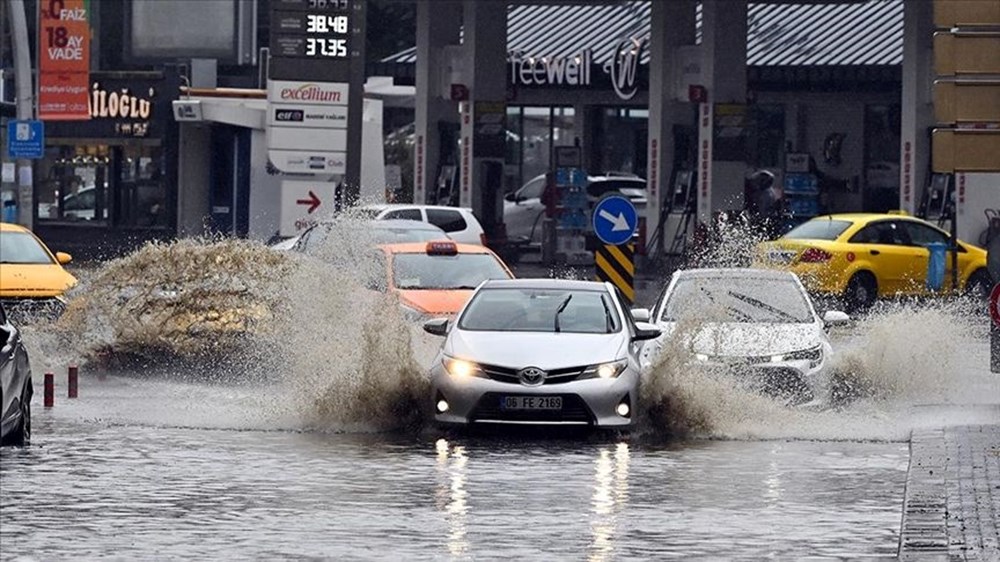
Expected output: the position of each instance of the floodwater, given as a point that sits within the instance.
(94, 487)
(307, 439)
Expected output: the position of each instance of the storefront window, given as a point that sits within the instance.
(536, 145)
(532, 134)
(141, 198)
(766, 148)
(881, 157)
(73, 184)
(622, 141)
(102, 184)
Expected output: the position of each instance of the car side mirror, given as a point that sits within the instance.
(436, 327)
(63, 258)
(835, 318)
(645, 331)
(640, 314)
(512, 197)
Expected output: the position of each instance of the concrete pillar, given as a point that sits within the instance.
(483, 139)
(438, 25)
(724, 67)
(672, 25)
(917, 103)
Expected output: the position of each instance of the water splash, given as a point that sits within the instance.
(897, 359)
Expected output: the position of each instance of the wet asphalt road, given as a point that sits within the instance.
(107, 486)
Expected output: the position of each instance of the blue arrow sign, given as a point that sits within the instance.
(615, 220)
(25, 139)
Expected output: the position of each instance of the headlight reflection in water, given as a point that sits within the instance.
(610, 497)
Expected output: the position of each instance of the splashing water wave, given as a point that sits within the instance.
(340, 357)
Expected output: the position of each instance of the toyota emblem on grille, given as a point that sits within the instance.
(531, 376)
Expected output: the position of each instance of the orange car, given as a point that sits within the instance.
(437, 278)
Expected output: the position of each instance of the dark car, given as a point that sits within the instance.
(15, 385)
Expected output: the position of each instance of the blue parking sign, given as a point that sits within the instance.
(25, 139)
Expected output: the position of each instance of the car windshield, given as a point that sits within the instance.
(459, 271)
(818, 229)
(22, 247)
(737, 299)
(541, 310)
(370, 235)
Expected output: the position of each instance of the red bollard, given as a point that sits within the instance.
(71, 381)
(50, 389)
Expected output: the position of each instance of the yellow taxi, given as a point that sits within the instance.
(862, 256)
(437, 278)
(30, 274)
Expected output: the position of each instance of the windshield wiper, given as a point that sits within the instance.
(608, 321)
(562, 307)
(763, 306)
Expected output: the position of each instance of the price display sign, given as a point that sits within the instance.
(313, 29)
(316, 77)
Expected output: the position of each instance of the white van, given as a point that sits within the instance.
(458, 222)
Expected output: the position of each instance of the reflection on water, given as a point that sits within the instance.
(196, 493)
(610, 497)
(452, 496)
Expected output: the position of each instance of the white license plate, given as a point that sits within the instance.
(531, 403)
(780, 256)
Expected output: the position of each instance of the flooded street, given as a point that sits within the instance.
(309, 439)
(97, 487)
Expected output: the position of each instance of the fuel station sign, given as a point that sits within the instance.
(315, 88)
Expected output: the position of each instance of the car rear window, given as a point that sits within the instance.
(603, 187)
(446, 220)
(818, 229)
(405, 214)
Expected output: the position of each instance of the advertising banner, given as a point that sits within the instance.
(63, 60)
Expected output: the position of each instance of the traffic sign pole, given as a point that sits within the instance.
(615, 221)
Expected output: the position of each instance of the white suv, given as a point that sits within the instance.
(523, 209)
(458, 222)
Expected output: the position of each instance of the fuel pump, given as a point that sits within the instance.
(491, 210)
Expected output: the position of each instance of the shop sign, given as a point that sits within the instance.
(63, 60)
(120, 107)
(621, 73)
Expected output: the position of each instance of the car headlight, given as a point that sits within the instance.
(460, 368)
(814, 355)
(608, 370)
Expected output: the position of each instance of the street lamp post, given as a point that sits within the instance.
(25, 107)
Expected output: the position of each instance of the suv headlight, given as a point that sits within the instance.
(608, 370)
(460, 368)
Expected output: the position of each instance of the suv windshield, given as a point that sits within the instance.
(460, 271)
(21, 247)
(541, 310)
(737, 299)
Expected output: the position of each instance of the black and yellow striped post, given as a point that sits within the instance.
(616, 264)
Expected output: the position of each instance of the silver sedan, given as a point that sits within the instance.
(539, 351)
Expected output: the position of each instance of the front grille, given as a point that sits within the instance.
(555, 376)
(574, 410)
(738, 360)
(26, 309)
(780, 382)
